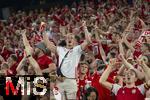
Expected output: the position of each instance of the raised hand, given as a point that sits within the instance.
(23, 31)
(1, 58)
(84, 24)
(121, 56)
(112, 62)
(28, 50)
(42, 27)
(125, 37)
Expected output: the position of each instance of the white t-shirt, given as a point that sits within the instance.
(71, 61)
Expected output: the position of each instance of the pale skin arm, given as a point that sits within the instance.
(129, 66)
(103, 55)
(121, 70)
(145, 68)
(87, 36)
(101, 31)
(128, 30)
(18, 69)
(51, 68)
(50, 45)
(148, 82)
(104, 77)
(3, 49)
(128, 44)
(28, 48)
(113, 45)
(121, 48)
(98, 30)
(144, 26)
(2, 59)
(102, 52)
(35, 65)
(25, 40)
(142, 22)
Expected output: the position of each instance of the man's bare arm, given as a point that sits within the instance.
(130, 66)
(50, 45)
(35, 65)
(104, 77)
(87, 36)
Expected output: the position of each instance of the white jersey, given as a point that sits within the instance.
(71, 61)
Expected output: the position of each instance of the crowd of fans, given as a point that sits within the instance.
(115, 61)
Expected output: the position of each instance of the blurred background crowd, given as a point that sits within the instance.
(117, 27)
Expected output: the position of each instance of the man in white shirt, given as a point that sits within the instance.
(68, 87)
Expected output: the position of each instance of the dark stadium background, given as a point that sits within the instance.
(6, 6)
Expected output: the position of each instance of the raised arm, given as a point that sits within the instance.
(128, 30)
(129, 66)
(33, 62)
(51, 68)
(121, 51)
(25, 40)
(50, 45)
(145, 68)
(19, 67)
(28, 48)
(104, 77)
(121, 70)
(142, 23)
(35, 65)
(99, 31)
(102, 52)
(128, 44)
(87, 36)
(2, 59)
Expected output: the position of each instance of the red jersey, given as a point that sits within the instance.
(81, 88)
(124, 93)
(12, 70)
(37, 38)
(136, 54)
(19, 54)
(6, 53)
(104, 94)
(109, 36)
(95, 48)
(44, 61)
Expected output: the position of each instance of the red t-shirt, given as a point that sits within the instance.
(44, 61)
(95, 49)
(19, 54)
(81, 87)
(37, 38)
(12, 70)
(136, 54)
(124, 93)
(109, 36)
(6, 53)
(104, 94)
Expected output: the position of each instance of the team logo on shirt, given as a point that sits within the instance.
(123, 92)
(133, 91)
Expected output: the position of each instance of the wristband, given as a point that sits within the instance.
(28, 56)
(146, 86)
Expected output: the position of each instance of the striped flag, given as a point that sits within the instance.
(141, 38)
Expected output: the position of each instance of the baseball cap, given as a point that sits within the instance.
(42, 47)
